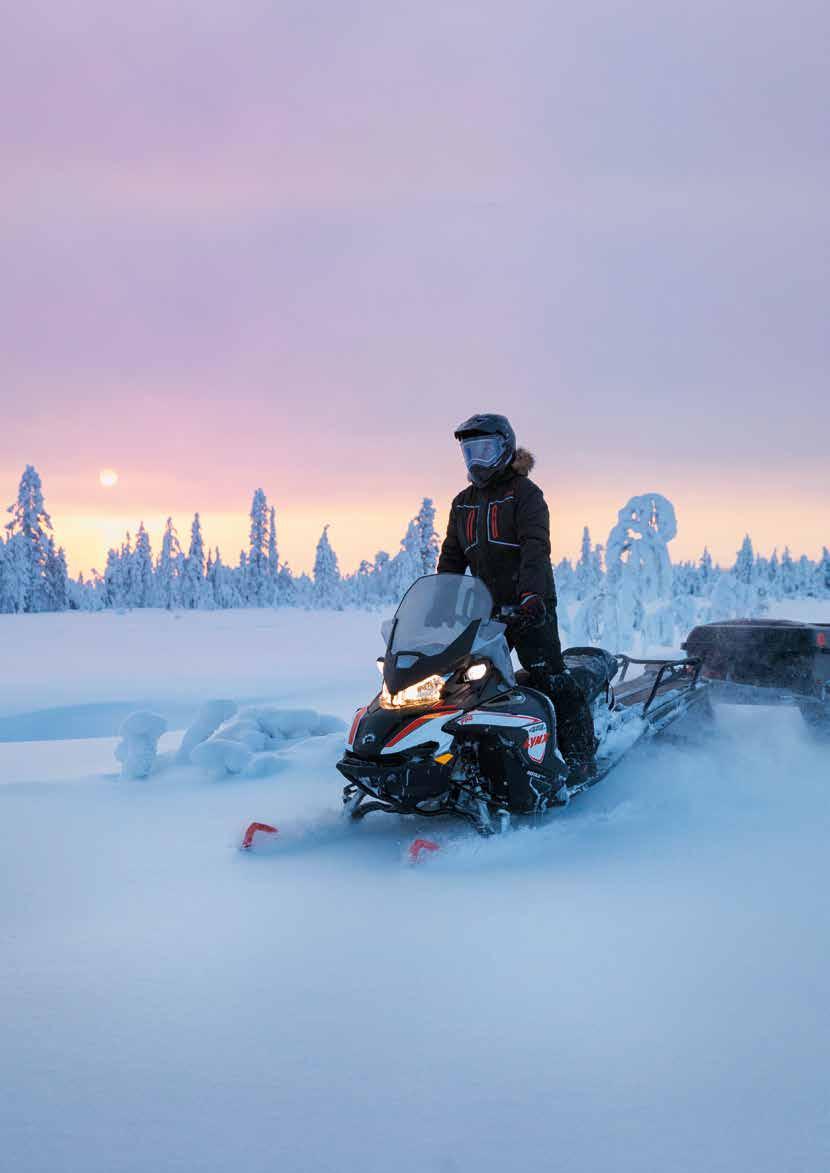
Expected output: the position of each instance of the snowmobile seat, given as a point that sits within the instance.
(592, 668)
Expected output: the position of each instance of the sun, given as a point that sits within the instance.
(108, 477)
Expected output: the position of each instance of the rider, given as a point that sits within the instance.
(499, 527)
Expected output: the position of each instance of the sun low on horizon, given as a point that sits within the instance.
(108, 478)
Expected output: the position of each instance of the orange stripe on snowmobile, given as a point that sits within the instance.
(416, 724)
(358, 717)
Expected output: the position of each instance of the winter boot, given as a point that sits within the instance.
(575, 725)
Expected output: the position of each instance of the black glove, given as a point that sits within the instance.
(532, 612)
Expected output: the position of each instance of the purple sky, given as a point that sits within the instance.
(293, 244)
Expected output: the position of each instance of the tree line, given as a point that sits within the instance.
(191, 576)
(630, 585)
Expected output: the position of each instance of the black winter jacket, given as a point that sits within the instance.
(502, 532)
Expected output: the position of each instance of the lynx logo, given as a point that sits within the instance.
(537, 740)
(368, 739)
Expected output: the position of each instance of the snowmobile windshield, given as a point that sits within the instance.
(436, 610)
(484, 451)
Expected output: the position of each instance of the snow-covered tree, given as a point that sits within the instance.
(749, 600)
(745, 562)
(168, 570)
(723, 602)
(113, 593)
(225, 591)
(5, 593)
(428, 543)
(86, 594)
(193, 569)
(286, 589)
(273, 566)
(14, 574)
(706, 571)
(55, 579)
(640, 571)
(774, 576)
(381, 577)
(327, 583)
(805, 578)
(126, 570)
(685, 587)
(258, 579)
(210, 577)
(788, 574)
(407, 564)
(143, 583)
(29, 529)
(564, 576)
(824, 571)
(361, 585)
(585, 573)
(599, 566)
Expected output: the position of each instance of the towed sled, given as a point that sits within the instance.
(455, 732)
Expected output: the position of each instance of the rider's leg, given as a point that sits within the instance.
(539, 648)
(540, 653)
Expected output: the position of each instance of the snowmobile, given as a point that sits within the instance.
(455, 731)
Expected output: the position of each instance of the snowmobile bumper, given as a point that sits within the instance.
(403, 781)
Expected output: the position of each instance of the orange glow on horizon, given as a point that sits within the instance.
(359, 530)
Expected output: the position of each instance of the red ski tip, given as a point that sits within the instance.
(421, 846)
(248, 839)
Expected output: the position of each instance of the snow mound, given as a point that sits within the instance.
(136, 751)
(244, 742)
(210, 717)
(221, 755)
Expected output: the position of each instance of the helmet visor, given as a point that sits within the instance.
(484, 451)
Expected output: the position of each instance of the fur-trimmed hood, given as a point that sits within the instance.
(523, 462)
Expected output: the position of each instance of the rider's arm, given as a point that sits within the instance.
(451, 559)
(533, 533)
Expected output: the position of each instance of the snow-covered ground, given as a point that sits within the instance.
(640, 985)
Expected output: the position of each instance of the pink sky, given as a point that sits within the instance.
(292, 245)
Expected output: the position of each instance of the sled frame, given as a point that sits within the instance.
(668, 672)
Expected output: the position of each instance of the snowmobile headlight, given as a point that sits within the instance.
(380, 661)
(476, 672)
(425, 692)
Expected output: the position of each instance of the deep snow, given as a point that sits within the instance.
(640, 985)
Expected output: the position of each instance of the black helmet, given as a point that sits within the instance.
(489, 445)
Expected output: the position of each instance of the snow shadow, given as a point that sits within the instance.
(95, 719)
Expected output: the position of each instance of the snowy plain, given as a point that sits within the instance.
(639, 985)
